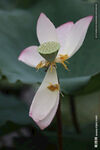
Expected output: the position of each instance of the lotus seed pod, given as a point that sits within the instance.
(49, 50)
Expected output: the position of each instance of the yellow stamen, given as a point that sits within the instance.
(51, 65)
(53, 87)
(47, 64)
(60, 59)
(40, 65)
(63, 57)
(64, 65)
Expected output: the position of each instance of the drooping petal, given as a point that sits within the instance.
(45, 99)
(30, 56)
(48, 119)
(63, 33)
(76, 36)
(46, 30)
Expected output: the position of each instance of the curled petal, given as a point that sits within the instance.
(63, 33)
(30, 56)
(76, 36)
(48, 119)
(45, 30)
(45, 99)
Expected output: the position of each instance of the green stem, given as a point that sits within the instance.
(74, 114)
(59, 127)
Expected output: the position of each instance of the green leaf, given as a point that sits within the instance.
(12, 4)
(14, 110)
(87, 106)
(81, 85)
(17, 31)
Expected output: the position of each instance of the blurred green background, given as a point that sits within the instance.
(19, 82)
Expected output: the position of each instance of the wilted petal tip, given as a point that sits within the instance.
(21, 57)
(42, 14)
(42, 127)
(30, 114)
(90, 18)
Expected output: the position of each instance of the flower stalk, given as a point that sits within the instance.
(74, 114)
(59, 127)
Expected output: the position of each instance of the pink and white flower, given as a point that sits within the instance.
(70, 36)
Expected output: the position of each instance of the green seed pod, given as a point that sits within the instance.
(49, 50)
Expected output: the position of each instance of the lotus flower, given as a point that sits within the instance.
(56, 46)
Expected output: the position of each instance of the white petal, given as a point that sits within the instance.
(30, 56)
(76, 36)
(63, 33)
(45, 99)
(45, 30)
(48, 119)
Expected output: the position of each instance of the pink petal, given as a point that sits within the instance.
(48, 119)
(45, 30)
(76, 36)
(44, 99)
(30, 56)
(62, 33)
